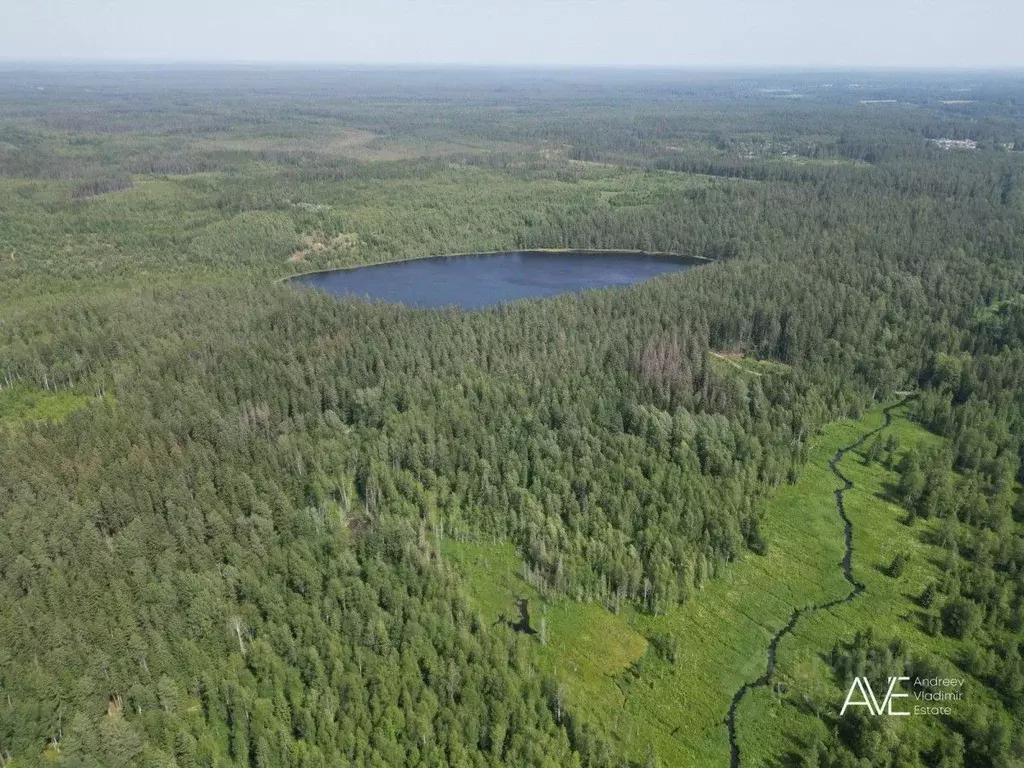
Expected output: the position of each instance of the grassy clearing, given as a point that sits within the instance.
(23, 404)
(680, 707)
(725, 632)
(777, 729)
(733, 361)
(613, 677)
(587, 647)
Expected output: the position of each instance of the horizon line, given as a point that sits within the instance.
(529, 66)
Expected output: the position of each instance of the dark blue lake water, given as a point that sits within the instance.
(477, 281)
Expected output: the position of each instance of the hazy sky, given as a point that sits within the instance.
(735, 33)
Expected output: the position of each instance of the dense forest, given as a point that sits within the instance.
(223, 499)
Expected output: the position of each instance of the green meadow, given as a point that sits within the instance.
(612, 673)
(777, 728)
(25, 404)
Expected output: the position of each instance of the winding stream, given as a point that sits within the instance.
(856, 588)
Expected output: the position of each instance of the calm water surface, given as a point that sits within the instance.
(473, 282)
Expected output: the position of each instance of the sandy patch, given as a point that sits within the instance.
(310, 245)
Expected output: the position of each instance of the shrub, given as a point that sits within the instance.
(960, 617)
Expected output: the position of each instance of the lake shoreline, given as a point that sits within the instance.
(580, 251)
(478, 280)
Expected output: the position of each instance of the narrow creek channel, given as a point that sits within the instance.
(856, 588)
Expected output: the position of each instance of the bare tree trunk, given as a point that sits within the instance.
(237, 624)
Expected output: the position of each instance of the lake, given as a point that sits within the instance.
(483, 280)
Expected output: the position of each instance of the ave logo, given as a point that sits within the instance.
(867, 697)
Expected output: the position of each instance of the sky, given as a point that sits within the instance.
(903, 34)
